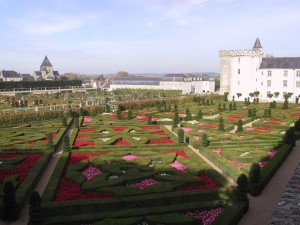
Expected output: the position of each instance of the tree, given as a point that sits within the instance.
(66, 143)
(76, 122)
(81, 111)
(188, 116)
(226, 96)
(251, 95)
(270, 95)
(219, 106)
(240, 125)
(254, 173)
(35, 209)
(238, 95)
(230, 106)
(256, 93)
(180, 134)
(224, 106)
(122, 74)
(118, 114)
(276, 94)
(10, 207)
(130, 114)
(221, 124)
(234, 106)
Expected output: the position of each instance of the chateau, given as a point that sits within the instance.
(46, 71)
(247, 71)
(188, 84)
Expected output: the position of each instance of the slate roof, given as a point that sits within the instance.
(257, 44)
(280, 63)
(10, 74)
(27, 77)
(136, 81)
(46, 62)
(181, 75)
(56, 73)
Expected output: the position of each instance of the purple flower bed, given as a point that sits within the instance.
(143, 184)
(177, 165)
(90, 172)
(130, 157)
(207, 216)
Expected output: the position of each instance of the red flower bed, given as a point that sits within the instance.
(297, 115)
(76, 157)
(69, 190)
(30, 142)
(275, 119)
(118, 129)
(83, 143)
(262, 129)
(123, 115)
(150, 128)
(161, 142)
(161, 133)
(145, 118)
(208, 183)
(235, 117)
(81, 136)
(45, 140)
(23, 168)
(87, 130)
(122, 142)
(179, 152)
(210, 125)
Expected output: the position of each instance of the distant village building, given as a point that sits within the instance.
(46, 71)
(247, 71)
(188, 84)
(10, 75)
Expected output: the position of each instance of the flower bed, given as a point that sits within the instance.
(180, 153)
(83, 143)
(150, 128)
(87, 130)
(22, 168)
(118, 129)
(161, 142)
(122, 142)
(143, 184)
(207, 216)
(207, 184)
(145, 118)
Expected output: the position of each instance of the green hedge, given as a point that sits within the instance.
(39, 84)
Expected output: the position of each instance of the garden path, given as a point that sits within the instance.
(41, 185)
(229, 179)
(262, 207)
(245, 125)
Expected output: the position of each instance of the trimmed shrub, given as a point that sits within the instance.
(242, 185)
(129, 114)
(205, 142)
(289, 136)
(149, 119)
(221, 124)
(180, 134)
(254, 173)
(200, 115)
(66, 143)
(76, 122)
(50, 142)
(176, 119)
(240, 125)
(297, 125)
(10, 207)
(34, 209)
(64, 121)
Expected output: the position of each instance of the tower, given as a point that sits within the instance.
(46, 66)
(239, 70)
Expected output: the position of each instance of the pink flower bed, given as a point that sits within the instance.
(84, 143)
(122, 142)
(178, 166)
(217, 151)
(130, 157)
(187, 129)
(200, 131)
(262, 129)
(143, 184)
(123, 115)
(207, 216)
(90, 172)
(87, 120)
(196, 138)
(161, 142)
(207, 184)
(272, 153)
(262, 164)
(237, 165)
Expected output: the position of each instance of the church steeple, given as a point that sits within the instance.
(46, 63)
(257, 45)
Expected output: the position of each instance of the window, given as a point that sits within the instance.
(262, 83)
(284, 83)
(239, 59)
(285, 73)
(262, 72)
(269, 73)
(238, 82)
(298, 83)
(298, 73)
(239, 71)
(268, 83)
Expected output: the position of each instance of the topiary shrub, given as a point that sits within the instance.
(64, 121)
(180, 134)
(205, 142)
(176, 119)
(240, 126)
(149, 119)
(81, 111)
(118, 114)
(10, 207)
(254, 173)
(297, 125)
(221, 124)
(76, 122)
(129, 114)
(242, 185)
(50, 142)
(200, 115)
(66, 143)
(234, 106)
(35, 209)
(289, 136)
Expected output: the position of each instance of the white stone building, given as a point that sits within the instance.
(186, 83)
(247, 71)
(10, 75)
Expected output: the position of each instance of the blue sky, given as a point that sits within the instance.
(160, 36)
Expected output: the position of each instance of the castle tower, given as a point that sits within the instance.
(46, 66)
(239, 70)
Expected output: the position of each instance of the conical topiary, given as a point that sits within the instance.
(10, 207)
(35, 209)
(242, 185)
(254, 173)
(66, 143)
(180, 134)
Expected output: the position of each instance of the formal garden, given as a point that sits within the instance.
(137, 162)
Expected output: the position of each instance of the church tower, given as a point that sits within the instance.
(46, 66)
(239, 70)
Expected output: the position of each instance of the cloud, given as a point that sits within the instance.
(47, 23)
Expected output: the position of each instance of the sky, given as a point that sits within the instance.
(141, 36)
